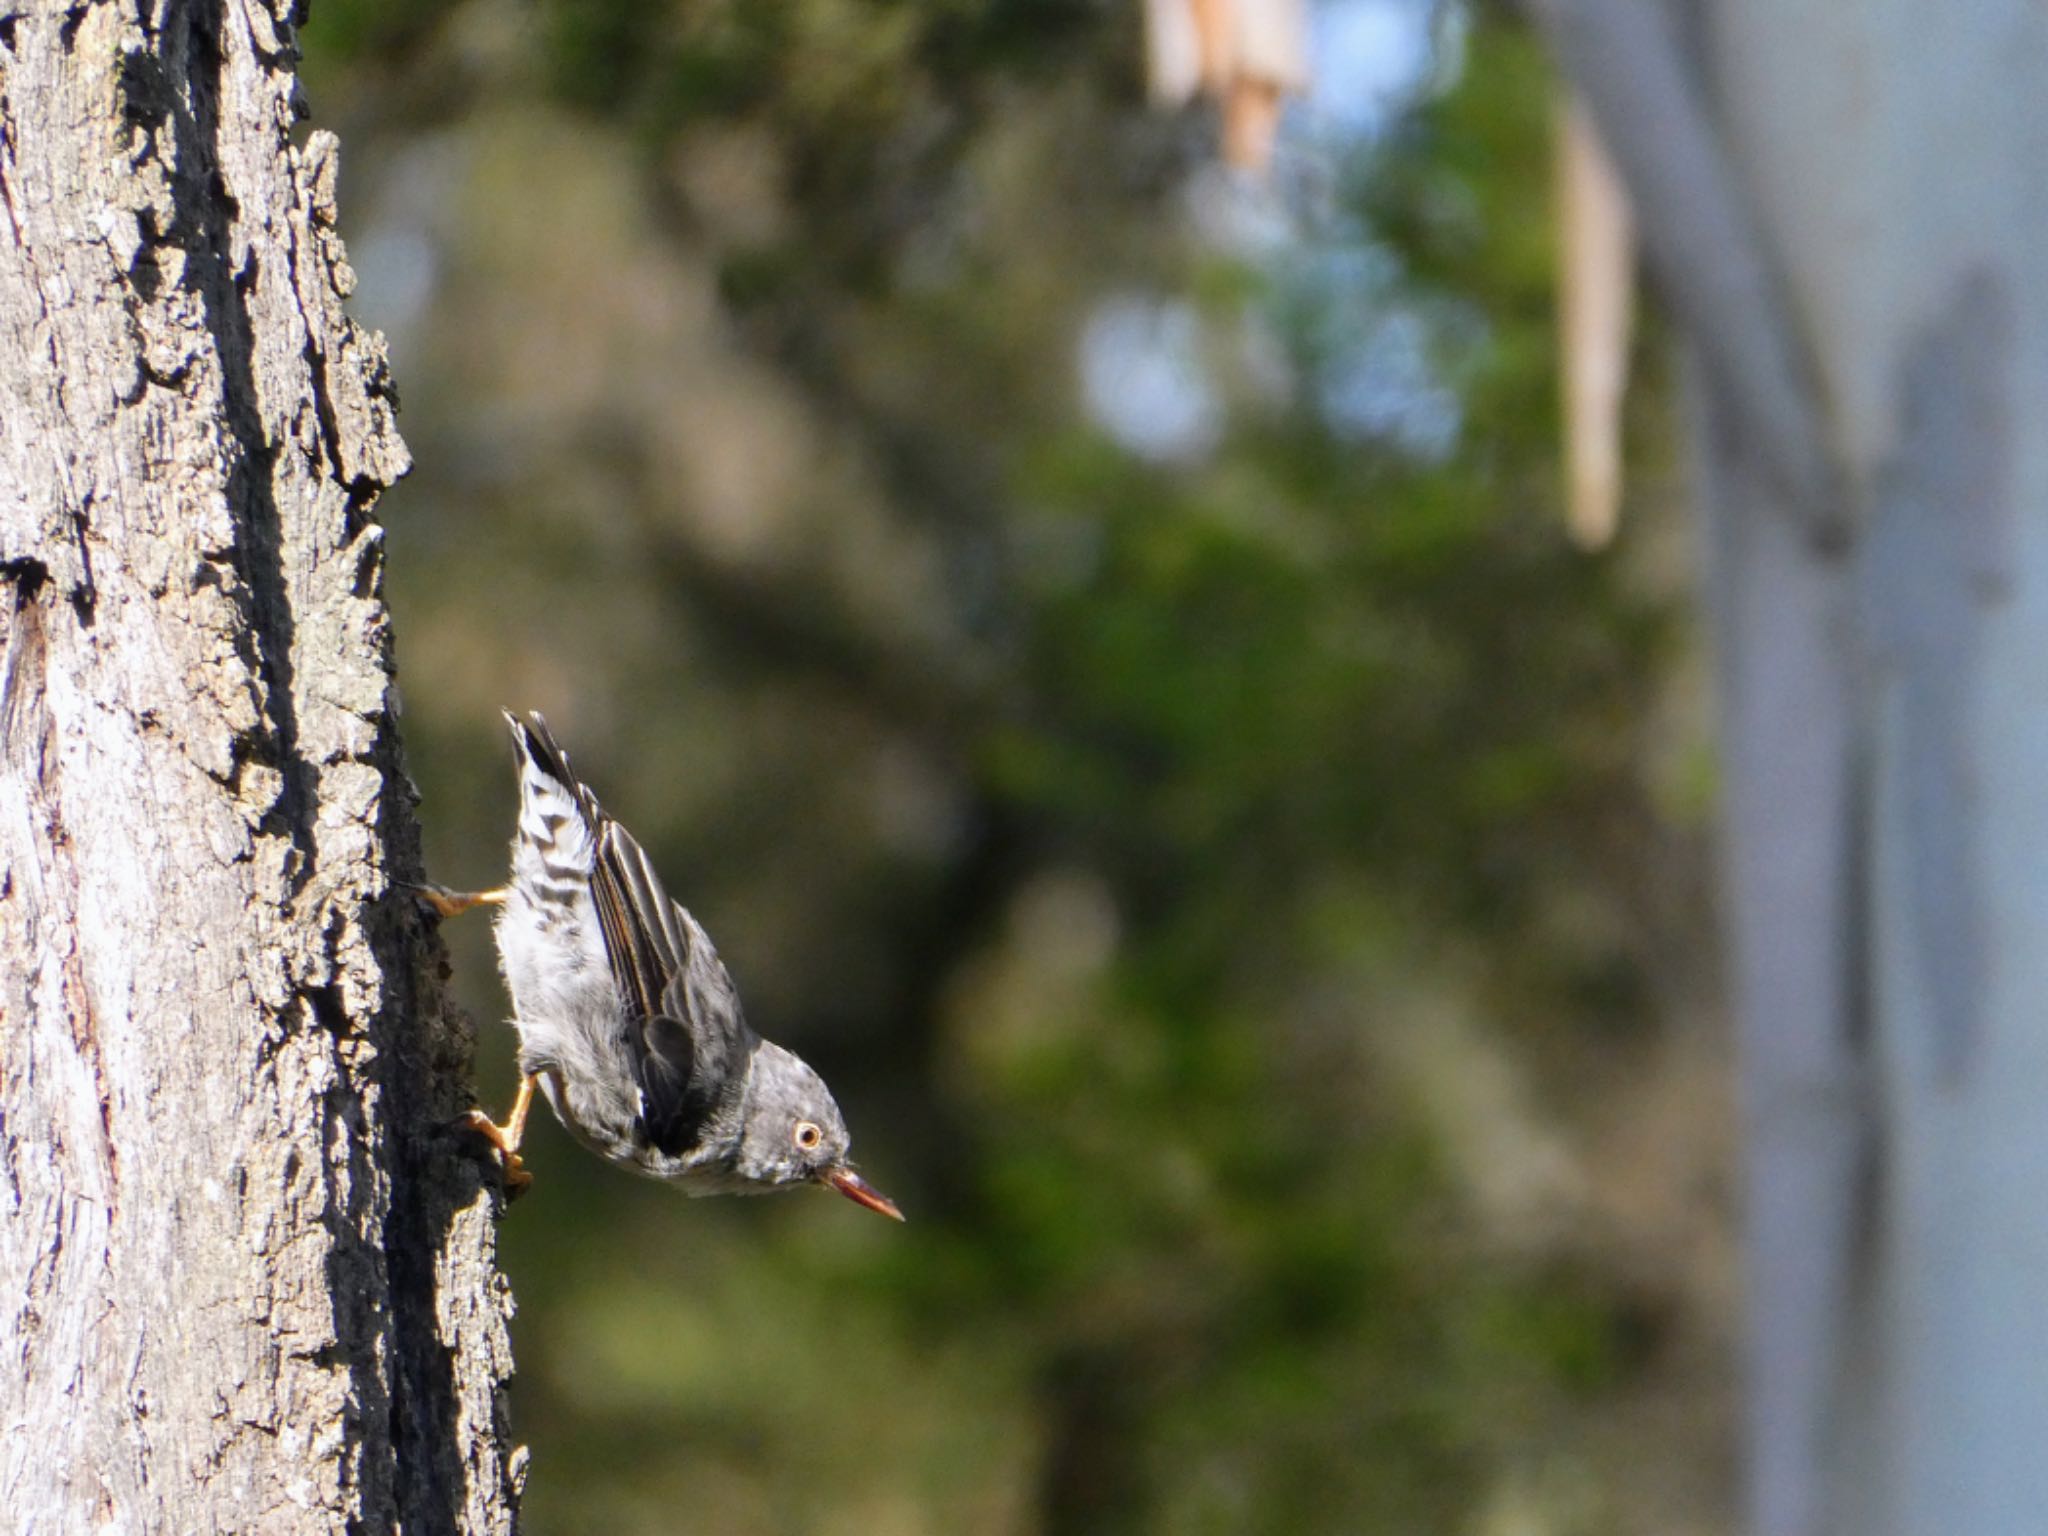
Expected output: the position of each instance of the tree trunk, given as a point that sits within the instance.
(246, 1280)
(1897, 156)
(1883, 668)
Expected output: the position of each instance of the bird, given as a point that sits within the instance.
(628, 1021)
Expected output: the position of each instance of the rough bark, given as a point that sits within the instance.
(247, 1281)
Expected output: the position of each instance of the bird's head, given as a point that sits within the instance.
(794, 1133)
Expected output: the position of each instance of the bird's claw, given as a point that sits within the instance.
(510, 1165)
(517, 1179)
(444, 903)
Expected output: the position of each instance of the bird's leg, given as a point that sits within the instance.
(506, 1137)
(447, 903)
(515, 1124)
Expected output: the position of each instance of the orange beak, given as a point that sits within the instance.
(860, 1191)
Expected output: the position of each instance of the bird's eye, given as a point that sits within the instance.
(807, 1135)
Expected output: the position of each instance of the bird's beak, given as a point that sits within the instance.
(860, 1191)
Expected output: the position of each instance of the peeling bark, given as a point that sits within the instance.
(247, 1282)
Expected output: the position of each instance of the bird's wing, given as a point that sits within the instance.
(642, 940)
(701, 994)
(693, 1040)
(675, 1097)
(641, 937)
(686, 1038)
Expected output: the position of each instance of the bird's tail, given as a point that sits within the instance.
(560, 821)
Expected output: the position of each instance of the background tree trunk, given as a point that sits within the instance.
(1883, 646)
(246, 1283)
(1897, 156)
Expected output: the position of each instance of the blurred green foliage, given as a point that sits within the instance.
(1113, 831)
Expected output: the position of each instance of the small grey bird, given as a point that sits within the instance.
(627, 1019)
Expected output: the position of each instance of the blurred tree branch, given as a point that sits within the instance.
(1701, 240)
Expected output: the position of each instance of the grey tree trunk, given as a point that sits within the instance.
(1854, 236)
(246, 1282)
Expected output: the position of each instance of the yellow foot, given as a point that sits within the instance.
(510, 1164)
(446, 903)
(506, 1137)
